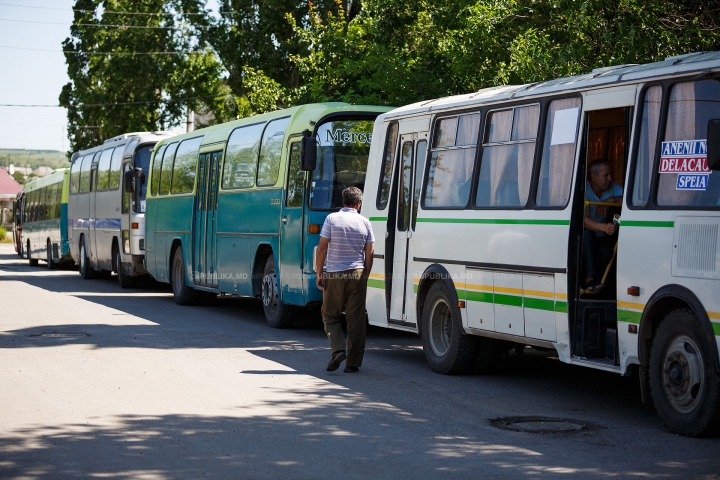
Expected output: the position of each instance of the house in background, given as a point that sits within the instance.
(9, 189)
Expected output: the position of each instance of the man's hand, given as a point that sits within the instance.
(320, 281)
(320, 257)
(609, 229)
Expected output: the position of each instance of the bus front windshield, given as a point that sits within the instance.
(342, 158)
(142, 161)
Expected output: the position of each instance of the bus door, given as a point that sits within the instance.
(205, 228)
(412, 157)
(92, 198)
(292, 231)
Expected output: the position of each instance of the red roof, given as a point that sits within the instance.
(8, 185)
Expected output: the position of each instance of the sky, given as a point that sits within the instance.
(33, 77)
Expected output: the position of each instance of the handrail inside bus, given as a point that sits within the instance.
(603, 204)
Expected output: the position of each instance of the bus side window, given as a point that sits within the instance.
(296, 178)
(387, 165)
(115, 166)
(271, 151)
(103, 171)
(75, 176)
(420, 153)
(125, 195)
(240, 163)
(646, 146)
(558, 155)
(166, 169)
(85, 174)
(157, 162)
(183, 174)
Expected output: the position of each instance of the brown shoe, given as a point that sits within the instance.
(337, 358)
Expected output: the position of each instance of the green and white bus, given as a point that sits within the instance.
(481, 201)
(232, 209)
(42, 219)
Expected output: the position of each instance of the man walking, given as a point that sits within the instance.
(346, 240)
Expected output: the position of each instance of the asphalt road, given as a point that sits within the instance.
(142, 388)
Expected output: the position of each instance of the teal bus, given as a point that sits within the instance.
(43, 219)
(237, 208)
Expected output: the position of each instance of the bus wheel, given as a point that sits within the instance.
(125, 281)
(86, 271)
(184, 295)
(447, 349)
(51, 265)
(32, 261)
(684, 386)
(277, 314)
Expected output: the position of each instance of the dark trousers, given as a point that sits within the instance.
(597, 252)
(346, 289)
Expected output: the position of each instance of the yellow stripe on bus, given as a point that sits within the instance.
(377, 275)
(631, 305)
(714, 315)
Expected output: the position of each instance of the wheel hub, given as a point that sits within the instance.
(683, 374)
(440, 328)
(269, 292)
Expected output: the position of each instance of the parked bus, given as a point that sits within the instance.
(481, 201)
(41, 225)
(106, 207)
(231, 209)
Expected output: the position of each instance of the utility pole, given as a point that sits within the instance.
(190, 123)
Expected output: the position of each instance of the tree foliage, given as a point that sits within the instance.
(127, 89)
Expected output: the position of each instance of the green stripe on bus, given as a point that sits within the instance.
(494, 221)
(378, 219)
(643, 223)
(371, 283)
(561, 307)
(716, 327)
(539, 304)
(510, 300)
(629, 316)
(483, 297)
(415, 287)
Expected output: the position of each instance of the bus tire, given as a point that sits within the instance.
(32, 261)
(683, 383)
(183, 294)
(125, 281)
(51, 264)
(277, 313)
(447, 349)
(86, 271)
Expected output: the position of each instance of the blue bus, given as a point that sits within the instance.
(237, 208)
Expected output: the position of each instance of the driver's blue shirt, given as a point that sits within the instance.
(615, 190)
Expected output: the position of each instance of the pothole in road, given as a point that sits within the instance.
(58, 335)
(533, 424)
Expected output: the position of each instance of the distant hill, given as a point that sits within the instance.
(33, 158)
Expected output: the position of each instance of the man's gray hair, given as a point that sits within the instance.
(597, 164)
(352, 196)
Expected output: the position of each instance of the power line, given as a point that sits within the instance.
(105, 25)
(79, 52)
(170, 100)
(82, 10)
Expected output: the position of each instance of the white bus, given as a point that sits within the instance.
(481, 201)
(106, 206)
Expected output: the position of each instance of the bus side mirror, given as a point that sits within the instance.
(130, 181)
(713, 144)
(308, 154)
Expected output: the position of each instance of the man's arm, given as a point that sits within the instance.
(369, 250)
(320, 256)
(590, 224)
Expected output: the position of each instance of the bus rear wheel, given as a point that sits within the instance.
(277, 313)
(51, 264)
(86, 271)
(684, 385)
(183, 294)
(32, 261)
(447, 349)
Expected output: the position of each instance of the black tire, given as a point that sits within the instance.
(277, 313)
(32, 261)
(684, 385)
(487, 355)
(125, 281)
(184, 295)
(51, 264)
(86, 271)
(447, 349)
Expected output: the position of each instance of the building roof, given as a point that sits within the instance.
(8, 186)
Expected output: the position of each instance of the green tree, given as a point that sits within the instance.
(128, 90)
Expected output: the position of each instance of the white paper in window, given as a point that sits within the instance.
(564, 126)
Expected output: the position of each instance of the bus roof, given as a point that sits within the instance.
(302, 117)
(699, 62)
(55, 177)
(125, 139)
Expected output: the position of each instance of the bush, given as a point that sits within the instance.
(3, 235)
